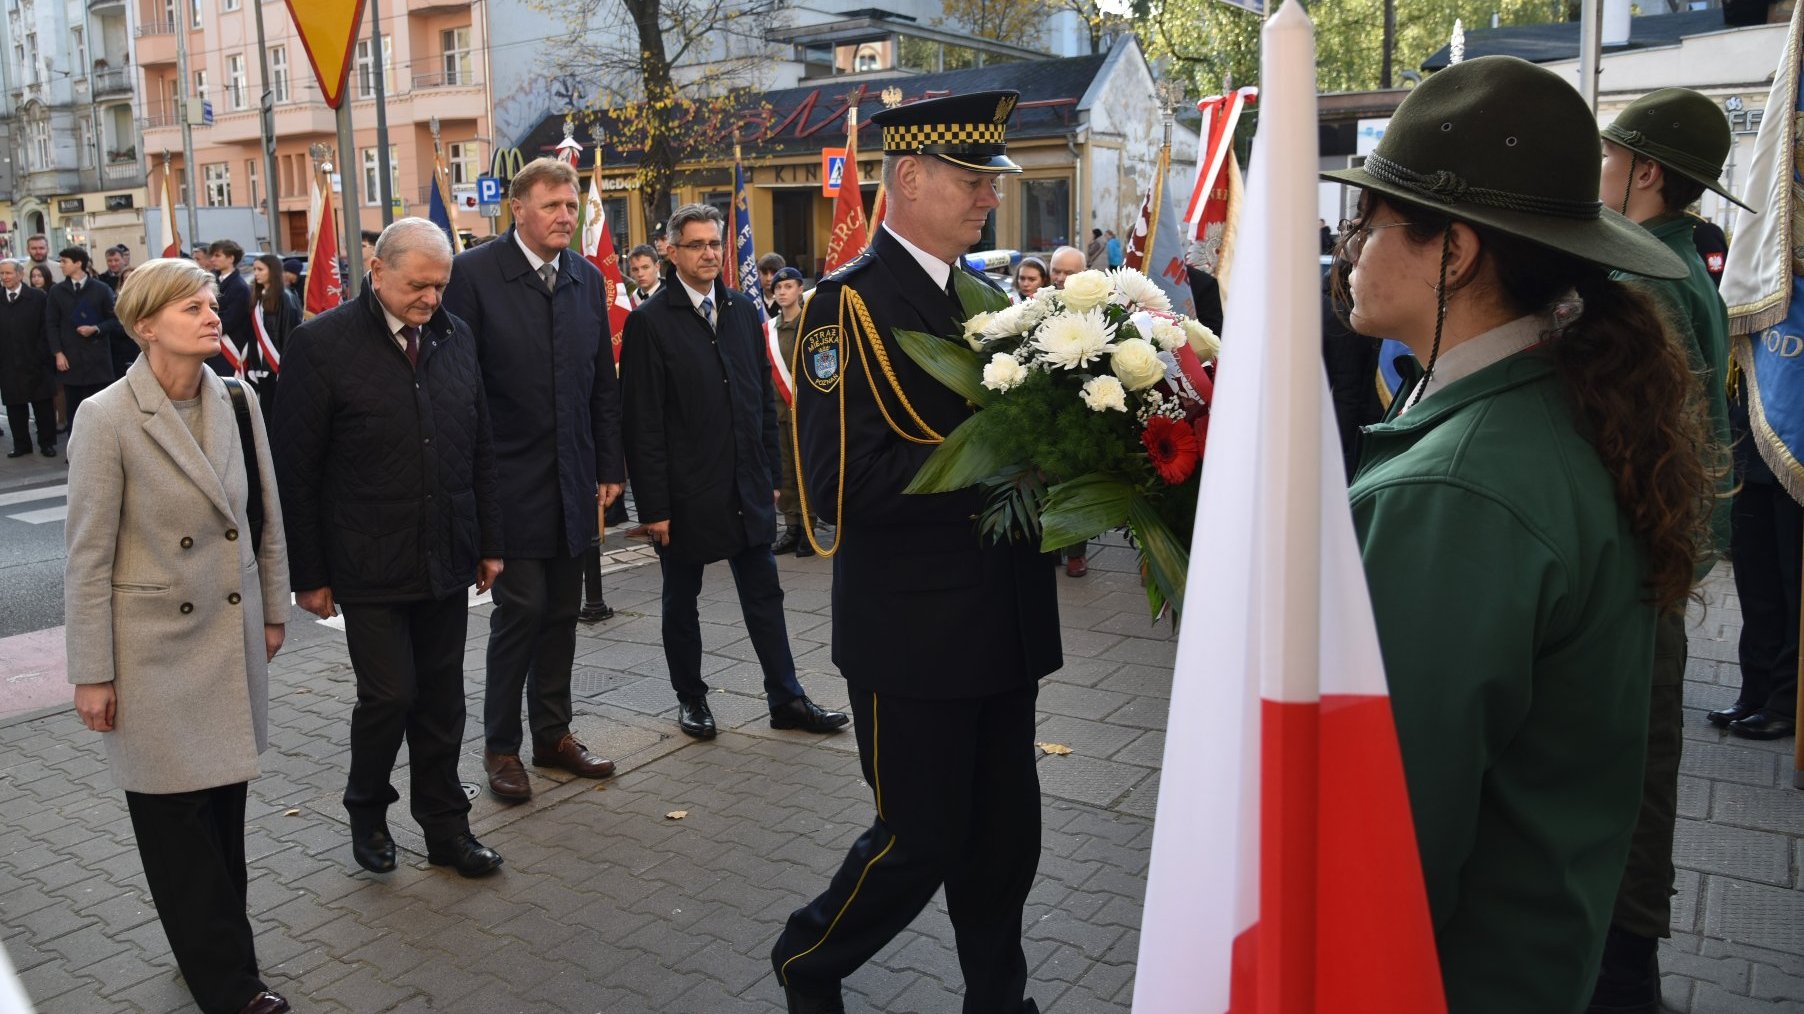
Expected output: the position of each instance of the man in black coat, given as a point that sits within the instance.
(392, 510)
(27, 378)
(236, 336)
(79, 322)
(701, 440)
(540, 317)
(942, 637)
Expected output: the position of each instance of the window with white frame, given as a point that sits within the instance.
(236, 92)
(218, 178)
(85, 146)
(250, 175)
(37, 131)
(456, 44)
(194, 7)
(366, 76)
(200, 84)
(372, 173)
(278, 72)
(464, 162)
(81, 50)
(228, 5)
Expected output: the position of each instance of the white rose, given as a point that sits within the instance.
(1139, 290)
(1087, 289)
(1202, 340)
(1167, 336)
(1003, 372)
(1137, 364)
(974, 330)
(1104, 394)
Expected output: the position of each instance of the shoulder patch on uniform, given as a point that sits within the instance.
(822, 357)
(847, 269)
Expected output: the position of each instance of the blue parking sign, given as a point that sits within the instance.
(488, 190)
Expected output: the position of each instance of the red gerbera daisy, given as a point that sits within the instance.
(1172, 446)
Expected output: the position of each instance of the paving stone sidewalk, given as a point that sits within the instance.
(606, 904)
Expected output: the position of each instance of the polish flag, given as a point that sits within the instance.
(598, 249)
(324, 287)
(1285, 877)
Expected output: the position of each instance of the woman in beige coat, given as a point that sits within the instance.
(173, 617)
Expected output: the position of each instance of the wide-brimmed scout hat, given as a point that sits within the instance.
(969, 131)
(1500, 143)
(1681, 130)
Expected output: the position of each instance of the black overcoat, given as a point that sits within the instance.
(921, 606)
(387, 471)
(91, 357)
(700, 422)
(554, 401)
(27, 367)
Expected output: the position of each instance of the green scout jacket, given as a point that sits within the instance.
(1697, 314)
(1517, 638)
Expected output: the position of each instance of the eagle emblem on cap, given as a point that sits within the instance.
(1005, 107)
(892, 97)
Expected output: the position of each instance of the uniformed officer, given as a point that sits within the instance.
(941, 637)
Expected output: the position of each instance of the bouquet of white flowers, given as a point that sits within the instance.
(1095, 408)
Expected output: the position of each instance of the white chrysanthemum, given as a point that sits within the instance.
(1168, 336)
(1202, 340)
(974, 330)
(1044, 304)
(1105, 394)
(1070, 340)
(1003, 372)
(1086, 289)
(1137, 363)
(1138, 290)
(1004, 323)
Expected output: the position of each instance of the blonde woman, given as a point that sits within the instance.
(173, 616)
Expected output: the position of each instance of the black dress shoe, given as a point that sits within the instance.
(50, 452)
(807, 716)
(694, 718)
(1763, 725)
(784, 544)
(373, 849)
(1733, 713)
(265, 1002)
(804, 548)
(807, 1003)
(17, 454)
(471, 857)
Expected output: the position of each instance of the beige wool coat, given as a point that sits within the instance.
(163, 593)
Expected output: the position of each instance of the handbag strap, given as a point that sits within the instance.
(252, 472)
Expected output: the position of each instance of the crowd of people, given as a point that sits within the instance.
(1536, 503)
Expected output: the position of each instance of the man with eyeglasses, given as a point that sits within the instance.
(540, 318)
(701, 445)
(942, 637)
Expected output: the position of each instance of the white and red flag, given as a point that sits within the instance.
(324, 287)
(1285, 877)
(598, 249)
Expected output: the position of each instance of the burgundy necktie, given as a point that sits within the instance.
(412, 334)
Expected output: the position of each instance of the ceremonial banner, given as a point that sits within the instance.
(1760, 280)
(598, 247)
(438, 207)
(850, 234)
(172, 236)
(324, 288)
(1285, 877)
(1206, 216)
(746, 258)
(328, 32)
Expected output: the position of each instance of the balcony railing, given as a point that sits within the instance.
(112, 81)
(155, 28)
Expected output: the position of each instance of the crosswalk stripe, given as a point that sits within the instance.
(43, 516)
(28, 495)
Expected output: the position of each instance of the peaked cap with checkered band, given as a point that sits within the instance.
(969, 131)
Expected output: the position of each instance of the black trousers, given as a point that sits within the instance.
(1767, 527)
(532, 642)
(958, 804)
(760, 602)
(409, 659)
(74, 395)
(19, 416)
(192, 848)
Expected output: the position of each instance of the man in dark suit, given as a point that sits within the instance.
(80, 323)
(701, 440)
(117, 257)
(27, 378)
(642, 267)
(236, 336)
(387, 473)
(539, 314)
(942, 637)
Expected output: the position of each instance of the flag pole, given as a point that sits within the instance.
(1152, 220)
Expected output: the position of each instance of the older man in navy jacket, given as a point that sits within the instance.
(539, 313)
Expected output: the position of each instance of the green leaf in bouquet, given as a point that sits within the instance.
(949, 362)
(974, 297)
(1166, 558)
(1083, 508)
(1011, 513)
(970, 454)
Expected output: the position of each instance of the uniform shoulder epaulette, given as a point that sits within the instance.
(852, 267)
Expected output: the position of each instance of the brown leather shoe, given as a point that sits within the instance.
(572, 756)
(507, 777)
(265, 1002)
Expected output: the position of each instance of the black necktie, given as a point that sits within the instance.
(412, 334)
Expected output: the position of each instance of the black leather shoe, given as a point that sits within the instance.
(471, 857)
(373, 849)
(807, 716)
(17, 454)
(1733, 713)
(803, 1003)
(1628, 979)
(50, 452)
(804, 548)
(694, 718)
(265, 1002)
(1763, 725)
(784, 544)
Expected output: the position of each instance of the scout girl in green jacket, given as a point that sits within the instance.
(1522, 517)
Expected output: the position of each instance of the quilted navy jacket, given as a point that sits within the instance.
(548, 369)
(387, 471)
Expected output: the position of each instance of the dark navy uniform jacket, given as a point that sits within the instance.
(921, 606)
